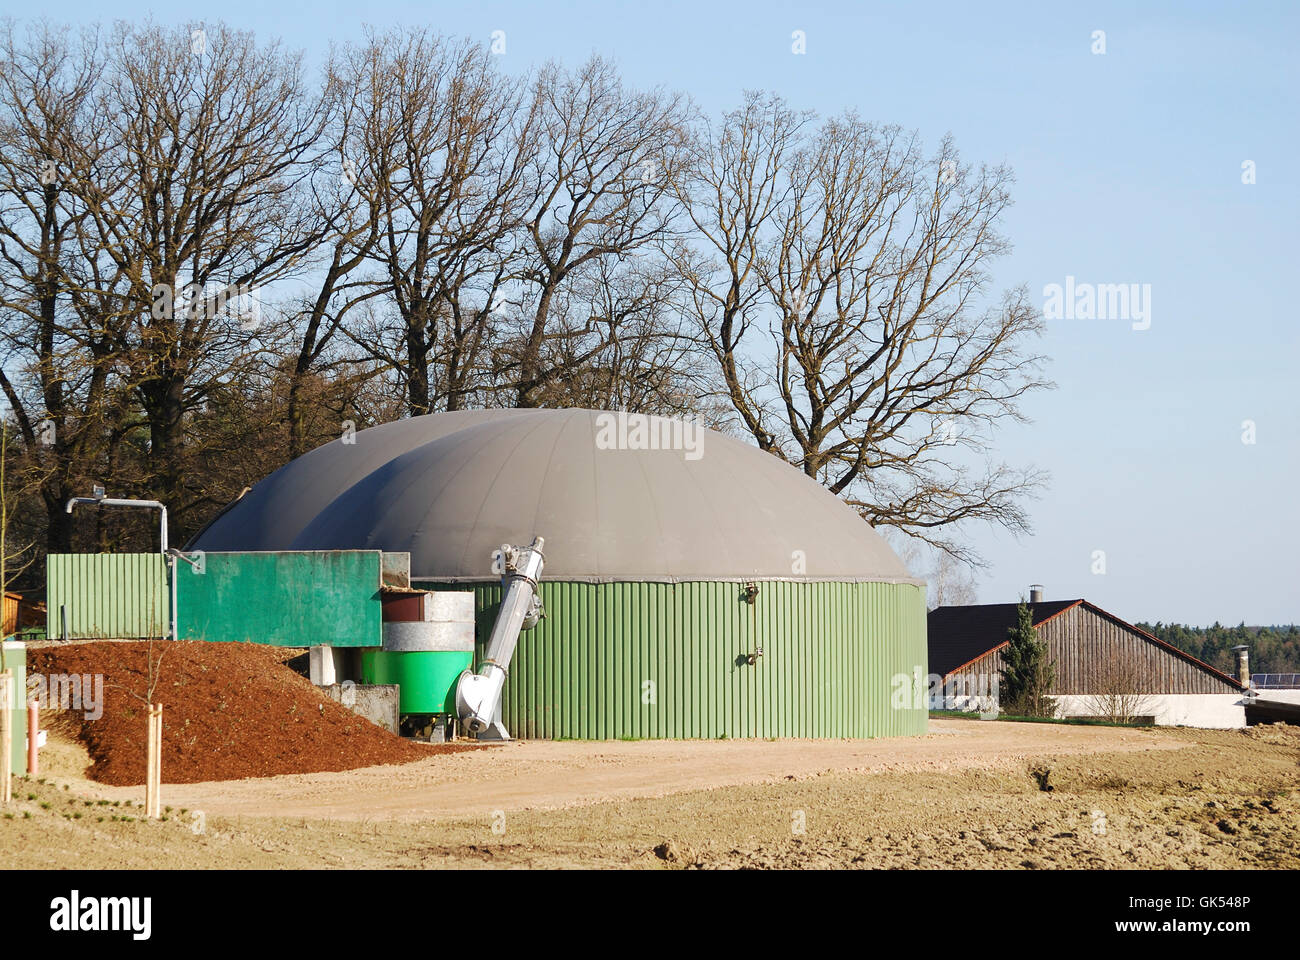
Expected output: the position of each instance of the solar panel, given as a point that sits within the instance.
(1275, 681)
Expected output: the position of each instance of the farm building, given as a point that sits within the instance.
(694, 586)
(1276, 698)
(20, 613)
(1104, 665)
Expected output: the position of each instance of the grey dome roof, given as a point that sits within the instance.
(452, 487)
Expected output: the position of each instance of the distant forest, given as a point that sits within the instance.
(1274, 649)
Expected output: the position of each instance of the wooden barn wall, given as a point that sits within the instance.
(1082, 643)
(990, 664)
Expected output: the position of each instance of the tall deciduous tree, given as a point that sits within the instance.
(841, 282)
(197, 198)
(60, 294)
(600, 193)
(439, 141)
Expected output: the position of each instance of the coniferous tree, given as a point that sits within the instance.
(1027, 674)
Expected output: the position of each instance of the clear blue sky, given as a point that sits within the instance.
(1129, 169)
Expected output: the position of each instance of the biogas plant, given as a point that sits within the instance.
(568, 574)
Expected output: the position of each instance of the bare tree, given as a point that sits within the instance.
(634, 351)
(14, 558)
(601, 193)
(732, 189)
(840, 283)
(949, 581)
(439, 140)
(59, 295)
(197, 196)
(1119, 689)
(349, 209)
(430, 234)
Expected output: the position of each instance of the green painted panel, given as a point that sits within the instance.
(13, 656)
(107, 595)
(663, 660)
(288, 599)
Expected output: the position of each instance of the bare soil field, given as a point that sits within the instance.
(970, 794)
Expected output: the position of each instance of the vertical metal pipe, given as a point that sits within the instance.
(478, 695)
(172, 570)
(1243, 664)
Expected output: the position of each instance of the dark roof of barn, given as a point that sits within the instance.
(959, 635)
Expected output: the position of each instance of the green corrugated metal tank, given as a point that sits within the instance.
(674, 555)
(427, 679)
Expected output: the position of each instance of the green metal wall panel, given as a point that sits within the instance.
(13, 656)
(289, 599)
(831, 654)
(107, 595)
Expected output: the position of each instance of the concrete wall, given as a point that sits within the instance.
(1210, 710)
(378, 703)
(1286, 696)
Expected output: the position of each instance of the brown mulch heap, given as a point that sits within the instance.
(230, 711)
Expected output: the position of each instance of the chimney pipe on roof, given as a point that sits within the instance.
(1035, 593)
(1243, 664)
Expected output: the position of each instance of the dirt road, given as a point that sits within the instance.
(542, 775)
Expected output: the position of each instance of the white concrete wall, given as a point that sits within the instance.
(1286, 696)
(1211, 710)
